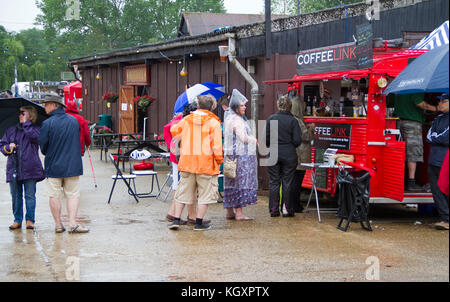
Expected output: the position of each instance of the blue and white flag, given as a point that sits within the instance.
(436, 38)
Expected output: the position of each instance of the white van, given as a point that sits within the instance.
(23, 89)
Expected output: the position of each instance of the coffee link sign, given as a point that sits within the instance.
(329, 59)
(336, 136)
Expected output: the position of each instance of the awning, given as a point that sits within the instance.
(348, 74)
(73, 89)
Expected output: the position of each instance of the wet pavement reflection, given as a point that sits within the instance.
(129, 241)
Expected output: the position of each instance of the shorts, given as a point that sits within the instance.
(175, 176)
(207, 186)
(412, 134)
(58, 187)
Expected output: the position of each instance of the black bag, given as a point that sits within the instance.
(353, 202)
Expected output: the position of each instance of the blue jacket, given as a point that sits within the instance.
(60, 143)
(438, 138)
(26, 158)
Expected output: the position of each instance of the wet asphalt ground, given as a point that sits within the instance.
(130, 241)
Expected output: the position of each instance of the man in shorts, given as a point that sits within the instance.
(409, 108)
(59, 140)
(200, 159)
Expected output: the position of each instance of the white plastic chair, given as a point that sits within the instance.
(142, 155)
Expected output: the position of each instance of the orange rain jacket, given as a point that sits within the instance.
(201, 143)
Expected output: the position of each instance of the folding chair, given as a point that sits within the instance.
(142, 155)
(167, 183)
(127, 178)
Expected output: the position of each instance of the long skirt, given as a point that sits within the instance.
(242, 190)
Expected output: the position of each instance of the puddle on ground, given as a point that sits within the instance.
(124, 221)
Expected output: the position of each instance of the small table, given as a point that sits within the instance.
(106, 143)
(132, 145)
(314, 167)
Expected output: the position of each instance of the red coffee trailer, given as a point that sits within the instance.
(335, 76)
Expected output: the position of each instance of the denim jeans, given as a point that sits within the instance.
(17, 193)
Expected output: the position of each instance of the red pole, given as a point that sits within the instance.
(90, 159)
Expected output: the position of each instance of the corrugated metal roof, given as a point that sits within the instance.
(200, 23)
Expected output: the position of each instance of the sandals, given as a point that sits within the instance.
(78, 229)
(60, 229)
(245, 218)
(230, 217)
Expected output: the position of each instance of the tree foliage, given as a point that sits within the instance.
(289, 7)
(101, 26)
(108, 24)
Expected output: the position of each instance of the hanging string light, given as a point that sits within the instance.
(98, 77)
(183, 71)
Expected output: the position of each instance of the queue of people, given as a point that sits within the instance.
(293, 147)
(203, 147)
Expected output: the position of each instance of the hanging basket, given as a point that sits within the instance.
(144, 101)
(110, 97)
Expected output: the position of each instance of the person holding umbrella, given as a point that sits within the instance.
(200, 158)
(24, 168)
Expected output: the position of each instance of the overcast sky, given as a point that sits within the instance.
(20, 14)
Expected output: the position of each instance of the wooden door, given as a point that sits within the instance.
(126, 109)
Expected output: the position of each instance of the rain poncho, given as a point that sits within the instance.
(240, 144)
(237, 126)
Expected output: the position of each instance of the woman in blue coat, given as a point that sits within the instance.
(23, 168)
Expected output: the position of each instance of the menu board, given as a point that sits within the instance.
(364, 36)
(335, 136)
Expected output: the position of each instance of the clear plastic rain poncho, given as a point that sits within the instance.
(239, 141)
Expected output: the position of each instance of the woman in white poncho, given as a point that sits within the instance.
(239, 144)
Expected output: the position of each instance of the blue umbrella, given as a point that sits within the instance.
(427, 73)
(187, 97)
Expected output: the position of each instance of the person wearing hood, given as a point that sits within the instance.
(240, 146)
(23, 168)
(85, 136)
(192, 209)
(200, 160)
(303, 151)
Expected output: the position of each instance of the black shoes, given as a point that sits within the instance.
(299, 209)
(289, 215)
(202, 227)
(175, 225)
(411, 186)
(276, 214)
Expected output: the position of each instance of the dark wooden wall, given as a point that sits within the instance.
(94, 89)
